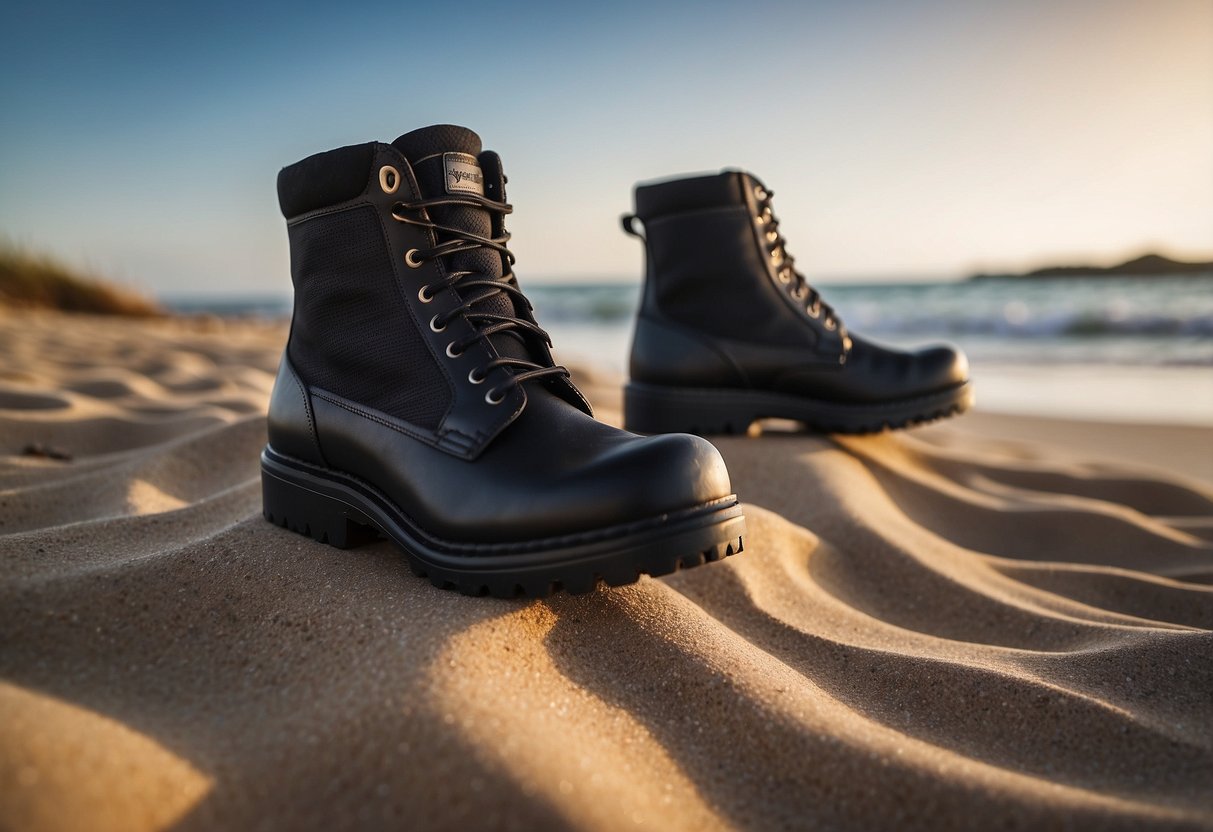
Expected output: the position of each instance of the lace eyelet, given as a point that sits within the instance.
(450, 351)
(813, 311)
(759, 192)
(389, 179)
(488, 397)
(472, 378)
(799, 293)
(830, 325)
(772, 236)
(411, 260)
(423, 294)
(784, 277)
(434, 325)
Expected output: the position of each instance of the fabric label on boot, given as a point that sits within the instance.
(463, 173)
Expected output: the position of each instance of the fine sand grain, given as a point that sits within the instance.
(994, 623)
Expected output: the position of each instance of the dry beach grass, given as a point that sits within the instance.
(951, 628)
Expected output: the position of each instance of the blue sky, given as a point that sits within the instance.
(902, 138)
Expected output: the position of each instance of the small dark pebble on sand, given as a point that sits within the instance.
(45, 452)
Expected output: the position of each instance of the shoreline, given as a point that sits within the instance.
(1162, 396)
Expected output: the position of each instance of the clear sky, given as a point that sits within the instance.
(907, 138)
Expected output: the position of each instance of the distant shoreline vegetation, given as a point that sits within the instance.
(30, 280)
(1148, 265)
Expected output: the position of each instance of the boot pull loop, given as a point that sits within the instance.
(629, 226)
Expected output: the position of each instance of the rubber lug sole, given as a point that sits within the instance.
(340, 510)
(649, 408)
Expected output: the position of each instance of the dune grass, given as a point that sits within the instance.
(35, 280)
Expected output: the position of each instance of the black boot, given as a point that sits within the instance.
(729, 332)
(418, 399)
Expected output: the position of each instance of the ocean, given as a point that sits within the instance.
(1109, 348)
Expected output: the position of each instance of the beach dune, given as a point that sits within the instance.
(956, 627)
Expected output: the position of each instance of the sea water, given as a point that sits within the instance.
(1111, 348)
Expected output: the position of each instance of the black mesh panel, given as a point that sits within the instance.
(352, 333)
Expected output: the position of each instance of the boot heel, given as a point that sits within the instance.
(648, 408)
(318, 516)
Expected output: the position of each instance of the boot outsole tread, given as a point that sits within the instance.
(655, 568)
(731, 429)
(337, 522)
(709, 412)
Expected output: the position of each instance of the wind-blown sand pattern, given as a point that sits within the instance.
(931, 630)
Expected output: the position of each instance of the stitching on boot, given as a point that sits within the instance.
(307, 412)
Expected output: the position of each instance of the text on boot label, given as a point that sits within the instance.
(463, 173)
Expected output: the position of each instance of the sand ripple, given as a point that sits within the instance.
(927, 631)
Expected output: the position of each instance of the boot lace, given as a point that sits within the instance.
(480, 288)
(784, 264)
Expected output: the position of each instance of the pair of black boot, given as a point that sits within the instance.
(417, 397)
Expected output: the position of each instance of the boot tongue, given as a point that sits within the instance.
(445, 161)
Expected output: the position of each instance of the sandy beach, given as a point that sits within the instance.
(999, 621)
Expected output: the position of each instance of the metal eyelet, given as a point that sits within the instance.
(389, 179)
(412, 261)
(814, 310)
(759, 192)
(423, 294)
(488, 397)
(472, 378)
(784, 277)
(830, 325)
(434, 325)
(772, 236)
(450, 351)
(799, 293)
